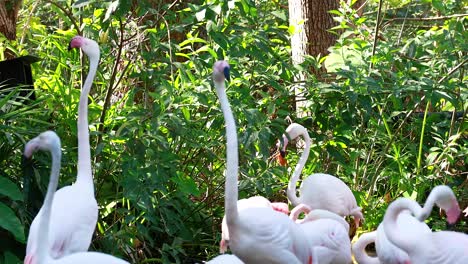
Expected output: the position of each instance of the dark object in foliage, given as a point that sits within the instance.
(17, 72)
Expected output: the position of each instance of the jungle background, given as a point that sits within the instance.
(386, 110)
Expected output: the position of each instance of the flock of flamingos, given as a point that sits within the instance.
(254, 229)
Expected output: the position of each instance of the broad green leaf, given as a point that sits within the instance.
(10, 222)
(186, 185)
(9, 189)
(10, 258)
(279, 14)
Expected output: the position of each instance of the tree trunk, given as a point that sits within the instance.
(311, 21)
(8, 13)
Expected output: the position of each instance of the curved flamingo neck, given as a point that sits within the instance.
(44, 222)
(443, 197)
(359, 248)
(292, 191)
(407, 242)
(85, 175)
(317, 214)
(232, 159)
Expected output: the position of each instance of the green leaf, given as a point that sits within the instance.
(279, 14)
(11, 258)
(9, 189)
(10, 222)
(439, 5)
(81, 3)
(186, 185)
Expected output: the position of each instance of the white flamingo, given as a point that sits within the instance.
(75, 205)
(444, 247)
(225, 259)
(445, 199)
(49, 141)
(387, 252)
(327, 235)
(251, 202)
(319, 190)
(257, 235)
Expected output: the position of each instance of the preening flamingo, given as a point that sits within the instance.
(75, 204)
(255, 201)
(319, 190)
(225, 259)
(387, 252)
(359, 248)
(49, 141)
(443, 247)
(327, 235)
(445, 199)
(256, 235)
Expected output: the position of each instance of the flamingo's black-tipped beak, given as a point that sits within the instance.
(282, 153)
(69, 46)
(226, 72)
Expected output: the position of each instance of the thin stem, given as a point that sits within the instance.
(376, 33)
(421, 139)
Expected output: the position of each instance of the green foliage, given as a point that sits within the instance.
(157, 133)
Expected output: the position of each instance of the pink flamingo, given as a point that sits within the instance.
(443, 247)
(225, 259)
(387, 252)
(251, 202)
(75, 204)
(49, 141)
(256, 235)
(319, 190)
(327, 235)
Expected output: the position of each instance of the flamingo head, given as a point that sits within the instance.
(446, 200)
(282, 145)
(88, 46)
(292, 131)
(45, 141)
(221, 70)
(453, 212)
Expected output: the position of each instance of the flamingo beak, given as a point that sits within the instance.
(282, 153)
(453, 213)
(226, 72)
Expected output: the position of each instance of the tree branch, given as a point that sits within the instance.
(68, 14)
(423, 19)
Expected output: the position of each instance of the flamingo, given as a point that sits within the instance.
(466, 211)
(257, 235)
(319, 190)
(75, 204)
(443, 247)
(445, 199)
(327, 235)
(225, 259)
(359, 248)
(255, 201)
(49, 141)
(387, 252)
